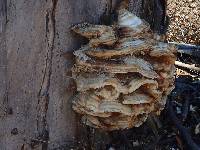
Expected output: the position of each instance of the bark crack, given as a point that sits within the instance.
(3, 15)
(4, 109)
(43, 94)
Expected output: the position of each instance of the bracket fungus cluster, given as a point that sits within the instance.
(123, 74)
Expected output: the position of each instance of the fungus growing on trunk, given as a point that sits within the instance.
(123, 74)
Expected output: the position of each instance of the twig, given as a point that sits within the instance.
(191, 67)
(184, 133)
(186, 105)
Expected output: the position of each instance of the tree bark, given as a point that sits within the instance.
(35, 88)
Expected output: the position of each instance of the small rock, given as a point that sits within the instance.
(192, 5)
(197, 129)
(111, 148)
(136, 143)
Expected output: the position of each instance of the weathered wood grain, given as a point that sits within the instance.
(37, 37)
(3, 60)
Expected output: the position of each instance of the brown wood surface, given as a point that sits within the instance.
(35, 86)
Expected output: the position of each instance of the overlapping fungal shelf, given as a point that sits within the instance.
(123, 74)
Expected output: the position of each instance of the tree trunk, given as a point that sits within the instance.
(35, 87)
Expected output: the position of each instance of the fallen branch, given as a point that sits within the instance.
(191, 52)
(186, 46)
(191, 67)
(184, 133)
(189, 49)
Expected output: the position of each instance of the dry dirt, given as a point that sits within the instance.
(184, 21)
